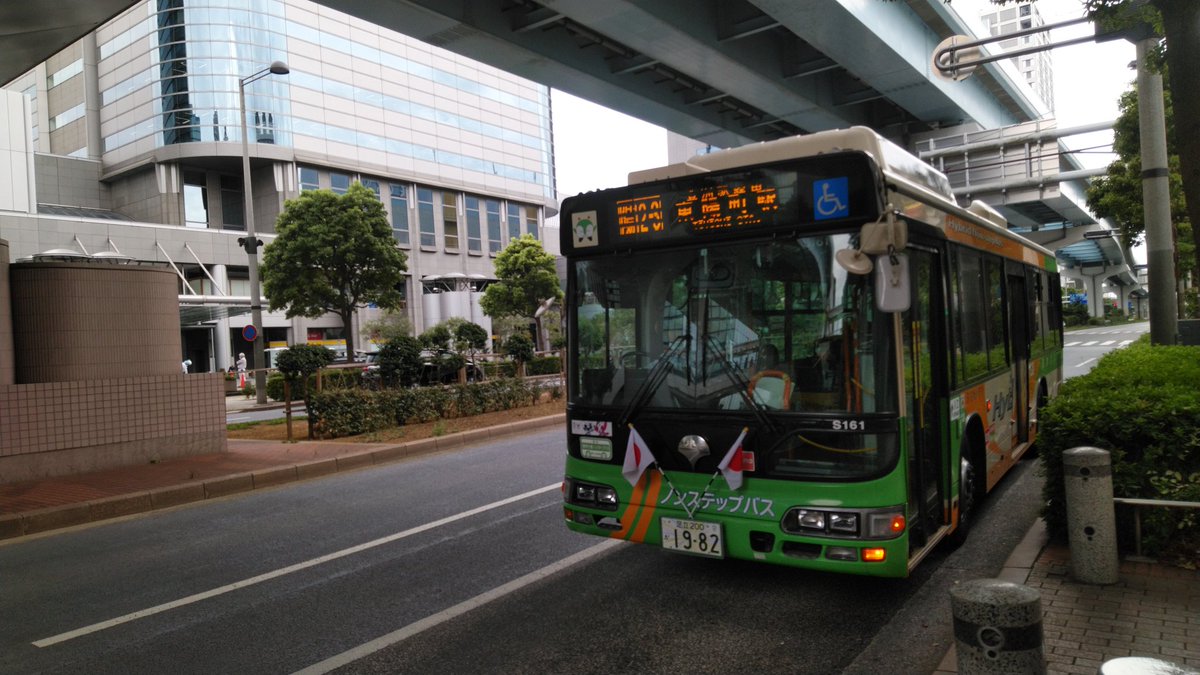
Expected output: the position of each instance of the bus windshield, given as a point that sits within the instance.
(767, 327)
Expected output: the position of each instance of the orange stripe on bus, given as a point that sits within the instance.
(629, 515)
(648, 512)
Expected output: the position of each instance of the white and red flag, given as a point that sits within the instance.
(731, 465)
(637, 457)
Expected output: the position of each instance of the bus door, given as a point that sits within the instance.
(1018, 322)
(924, 371)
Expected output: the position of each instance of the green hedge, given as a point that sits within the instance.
(540, 365)
(1142, 404)
(331, 378)
(346, 412)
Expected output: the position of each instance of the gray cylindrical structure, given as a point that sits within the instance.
(93, 320)
(7, 371)
(997, 628)
(1091, 520)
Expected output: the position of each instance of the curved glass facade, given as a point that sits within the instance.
(191, 53)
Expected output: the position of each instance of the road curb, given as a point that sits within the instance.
(51, 518)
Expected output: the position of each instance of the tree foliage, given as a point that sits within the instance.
(1178, 22)
(526, 277)
(400, 361)
(1118, 194)
(333, 253)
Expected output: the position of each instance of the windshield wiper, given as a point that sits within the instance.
(760, 413)
(658, 373)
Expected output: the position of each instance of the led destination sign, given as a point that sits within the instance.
(781, 196)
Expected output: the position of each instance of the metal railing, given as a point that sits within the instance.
(1137, 505)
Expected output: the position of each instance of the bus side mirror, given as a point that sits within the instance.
(892, 283)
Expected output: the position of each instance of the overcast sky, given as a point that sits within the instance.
(597, 148)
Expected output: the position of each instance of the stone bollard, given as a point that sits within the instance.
(1091, 518)
(997, 628)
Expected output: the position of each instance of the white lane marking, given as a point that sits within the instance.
(1070, 344)
(433, 620)
(1089, 344)
(1125, 343)
(1107, 343)
(142, 613)
(1080, 365)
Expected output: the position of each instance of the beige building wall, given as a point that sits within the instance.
(64, 428)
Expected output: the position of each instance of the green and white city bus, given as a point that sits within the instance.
(802, 352)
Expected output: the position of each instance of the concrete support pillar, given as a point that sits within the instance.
(997, 628)
(221, 347)
(1095, 291)
(1091, 517)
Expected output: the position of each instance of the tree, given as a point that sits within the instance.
(1118, 194)
(400, 361)
(470, 338)
(333, 253)
(390, 326)
(526, 278)
(520, 349)
(1179, 22)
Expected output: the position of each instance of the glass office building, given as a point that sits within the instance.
(136, 131)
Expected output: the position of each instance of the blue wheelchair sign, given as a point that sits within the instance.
(831, 198)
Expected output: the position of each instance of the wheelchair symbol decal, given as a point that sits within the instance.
(831, 198)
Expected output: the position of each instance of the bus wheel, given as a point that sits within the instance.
(968, 495)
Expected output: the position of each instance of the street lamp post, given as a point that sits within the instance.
(251, 242)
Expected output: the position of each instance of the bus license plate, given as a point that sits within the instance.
(693, 536)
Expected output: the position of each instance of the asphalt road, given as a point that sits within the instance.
(459, 562)
(1082, 348)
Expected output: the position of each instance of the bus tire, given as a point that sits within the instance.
(969, 496)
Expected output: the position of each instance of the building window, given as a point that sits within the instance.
(474, 231)
(1026, 23)
(195, 200)
(71, 70)
(309, 179)
(531, 221)
(493, 225)
(1025, 9)
(425, 218)
(514, 221)
(450, 220)
(399, 195)
(233, 213)
(66, 117)
(372, 185)
(339, 183)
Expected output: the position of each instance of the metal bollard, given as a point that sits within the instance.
(997, 628)
(1091, 517)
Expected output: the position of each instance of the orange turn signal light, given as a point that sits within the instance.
(874, 554)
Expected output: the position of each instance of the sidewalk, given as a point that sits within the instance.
(1154, 611)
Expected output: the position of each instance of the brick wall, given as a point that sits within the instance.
(63, 428)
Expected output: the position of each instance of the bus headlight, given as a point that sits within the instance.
(591, 495)
(887, 523)
(844, 523)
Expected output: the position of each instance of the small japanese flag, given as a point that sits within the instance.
(731, 465)
(637, 457)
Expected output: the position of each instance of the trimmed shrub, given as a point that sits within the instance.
(346, 412)
(1142, 404)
